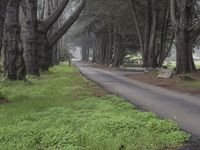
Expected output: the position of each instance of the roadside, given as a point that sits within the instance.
(63, 110)
(175, 83)
(180, 107)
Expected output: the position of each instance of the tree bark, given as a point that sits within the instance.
(166, 39)
(137, 27)
(149, 59)
(47, 23)
(108, 45)
(147, 45)
(152, 59)
(31, 51)
(85, 53)
(181, 17)
(14, 65)
(184, 56)
(118, 52)
(3, 5)
(54, 49)
(43, 53)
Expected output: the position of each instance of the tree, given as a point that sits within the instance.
(14, 65)
(154, 39)
(186, 32)
(46, 43)
(31, 52)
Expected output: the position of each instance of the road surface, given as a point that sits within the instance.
(179, 107)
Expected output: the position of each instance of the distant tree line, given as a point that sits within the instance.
(152, 27)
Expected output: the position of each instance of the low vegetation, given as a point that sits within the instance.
(62, 110)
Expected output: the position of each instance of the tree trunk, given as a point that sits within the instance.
(184, 48)
(118, 52)
(3, 5)
(43, 53)
(54, 49)
(13, 53)
(185, 34)
(31, 54)
(137, 27)
(85, 53)
(149, 58)
(152, 59)
(147, 45)
(107, 45)
(166, 39)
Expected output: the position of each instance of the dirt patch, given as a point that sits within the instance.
(175, 83)
(3, 102)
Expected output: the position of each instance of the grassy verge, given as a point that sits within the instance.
(62, 110)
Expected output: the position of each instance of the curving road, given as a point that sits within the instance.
(179, 107)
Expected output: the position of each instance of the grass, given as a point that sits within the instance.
(62, 110)
(173, 65)
(192, 84)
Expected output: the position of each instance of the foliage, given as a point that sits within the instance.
(62, 110)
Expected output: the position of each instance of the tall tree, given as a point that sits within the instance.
(14, 65)
(152, 54)
(186, 33)
(31, 52)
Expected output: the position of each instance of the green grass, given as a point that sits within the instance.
(62, 110)
(192, 84)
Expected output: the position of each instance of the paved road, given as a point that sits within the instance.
(180, 107)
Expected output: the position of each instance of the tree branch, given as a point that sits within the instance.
(67, 24)
(191, 3)
(195, 30)
(173, 13)
(137, 26)
(49, 21)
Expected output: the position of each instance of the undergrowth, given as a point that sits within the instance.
(61, 110)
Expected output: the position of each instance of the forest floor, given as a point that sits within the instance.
(63, 110)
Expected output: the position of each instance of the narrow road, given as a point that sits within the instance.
(179, 107)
